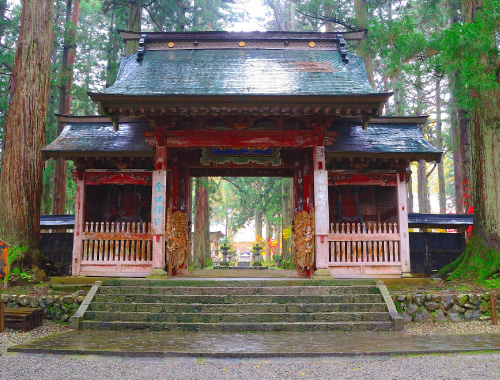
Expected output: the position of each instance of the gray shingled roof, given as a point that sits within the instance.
(100, 140)
(240, 72)
(405, 141)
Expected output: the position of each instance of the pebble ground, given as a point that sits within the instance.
(453, 367)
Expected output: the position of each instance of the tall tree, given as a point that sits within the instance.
(21, 177)
(439, 145)
(201, 244)
(66, 81)
(471, 50)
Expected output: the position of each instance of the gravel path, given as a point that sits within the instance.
(452, 367)
(470, 327)
(476, 367)
(14, 337)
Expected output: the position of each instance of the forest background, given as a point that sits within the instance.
(425, 51)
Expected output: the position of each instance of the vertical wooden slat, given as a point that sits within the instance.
(106, 244)
(91, 243)
(122, 242)
(100, 252)
(133, 249)
(86, 244)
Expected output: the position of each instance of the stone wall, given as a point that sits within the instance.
(432, 307)
(56, 307)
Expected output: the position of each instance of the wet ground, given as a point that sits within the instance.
(256, 345)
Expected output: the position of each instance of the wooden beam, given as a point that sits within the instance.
(202, 139)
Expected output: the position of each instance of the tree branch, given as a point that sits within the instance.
(334, 20)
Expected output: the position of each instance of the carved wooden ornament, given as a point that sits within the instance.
(177, 242)
(303, 241)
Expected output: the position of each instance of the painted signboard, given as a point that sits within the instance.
(4, 252)
(241, 155)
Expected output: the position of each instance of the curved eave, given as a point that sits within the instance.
(414, 156)
(340, 105)
(70, 155)
(355, 35)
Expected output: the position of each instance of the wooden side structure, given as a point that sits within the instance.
(4, 265)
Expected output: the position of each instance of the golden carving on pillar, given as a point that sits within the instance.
(177, 242)
(303, 241)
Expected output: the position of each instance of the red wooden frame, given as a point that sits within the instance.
(365, 179)
(119, 178)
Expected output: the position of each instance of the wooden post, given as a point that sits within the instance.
(403, 223)
(494, 320)
(321, 211)
(79, 177)
(158, 208)
(4, 264)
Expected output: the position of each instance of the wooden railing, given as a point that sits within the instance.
(354, 244)
(113, 242)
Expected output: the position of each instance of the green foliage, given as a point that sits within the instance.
(209, 263)
(478, 262)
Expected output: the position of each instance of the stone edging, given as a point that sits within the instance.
(435, 307)
(396, 318)
(75, 319)
(55, 307)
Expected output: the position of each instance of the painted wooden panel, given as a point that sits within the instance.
(4, 258)
(118, 178)
(379, 179)
(158, 214)
(249, 139)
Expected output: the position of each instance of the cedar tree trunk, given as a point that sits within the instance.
(21, 177)
(481, 257)
(67, 62)
(201, 222)
(134, 25)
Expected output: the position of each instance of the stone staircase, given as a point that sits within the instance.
(237, 305)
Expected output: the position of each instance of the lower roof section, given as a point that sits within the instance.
(383, 138)
(87, 138)
(387, 140)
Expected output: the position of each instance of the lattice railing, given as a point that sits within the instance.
(112, 242)
(374, 243)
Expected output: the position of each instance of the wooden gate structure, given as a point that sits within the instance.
(275, 104)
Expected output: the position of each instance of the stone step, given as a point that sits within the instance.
(253, 290)
(237, 283)
(235, 299)
(238, 327)
(238, 308)
(234, 317)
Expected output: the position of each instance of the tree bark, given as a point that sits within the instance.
(439, 145)
(268, 236)
(21, 177)
(66, 81)
(3, 9)
(422, 187)
(411, 206)
(481, 257)
(258, 225)
(362, 18)
(457, 159)
(466, 159)
(112, 52)
(133, 25)
(201, 222)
